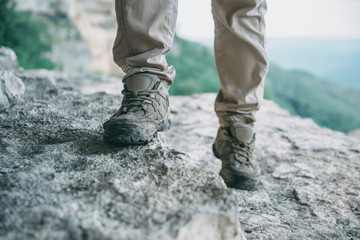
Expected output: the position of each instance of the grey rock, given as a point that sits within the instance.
(354, 133)
(310, 186)
(8, 59)
(86, 83)
(40, 84)
(11, 89)
(58, 180)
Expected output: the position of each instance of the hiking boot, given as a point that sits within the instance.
(144, 111)
(234, 146)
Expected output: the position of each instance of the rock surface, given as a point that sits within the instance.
(8, 59)
(310, 187)
(11, 89)
(59, 180)
(354, 133)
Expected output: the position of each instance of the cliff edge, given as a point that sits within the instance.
(60, 181)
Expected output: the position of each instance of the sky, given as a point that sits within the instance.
(284, 19)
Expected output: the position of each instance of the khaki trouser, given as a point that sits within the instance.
(145, 34)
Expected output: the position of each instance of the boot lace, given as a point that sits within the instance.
(136, 100)
(243, 150)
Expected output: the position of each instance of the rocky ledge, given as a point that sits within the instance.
(58, 180)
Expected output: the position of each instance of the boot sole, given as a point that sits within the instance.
(124, 138)
(232, 178)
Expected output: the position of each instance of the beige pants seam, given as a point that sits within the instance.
(129, 46)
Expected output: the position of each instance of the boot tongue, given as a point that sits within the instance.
(140, 82)
(242, 132)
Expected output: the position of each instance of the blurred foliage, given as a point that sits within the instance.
(28, 37)
(195, 68)
(306, 95)
(301, 93)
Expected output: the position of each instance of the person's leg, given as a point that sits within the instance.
(145, 34)
(242, 66)
(241, 58)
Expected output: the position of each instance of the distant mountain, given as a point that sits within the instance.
(303, 94)
(335, 60)
(306, 95)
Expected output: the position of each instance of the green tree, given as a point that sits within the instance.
(306, 95)
(28, 37)
(195, 68)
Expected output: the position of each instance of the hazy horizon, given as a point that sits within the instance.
(324, 19)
